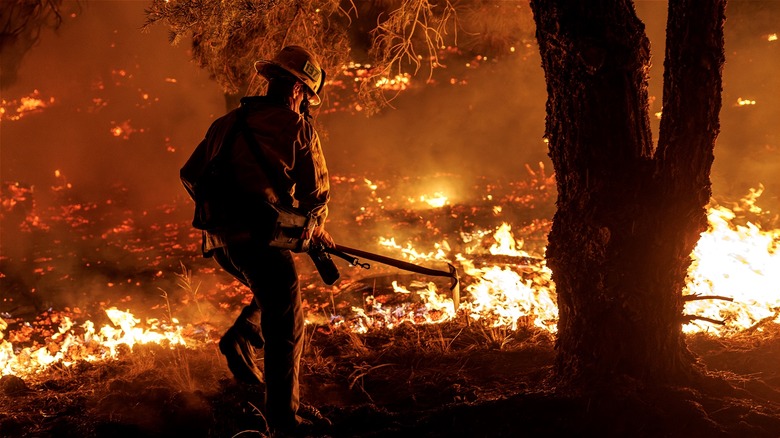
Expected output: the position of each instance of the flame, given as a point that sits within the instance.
(739, 262)
(505, 298)
(72, 343)
(506, 243)
(438, 308)
(508, 295)
(410, 253)
(505, 281)
(731, 262)
(438, 200)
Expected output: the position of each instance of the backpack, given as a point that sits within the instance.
(208, 180)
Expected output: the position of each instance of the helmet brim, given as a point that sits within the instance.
(261, 67)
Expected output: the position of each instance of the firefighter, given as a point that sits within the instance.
(278, 125)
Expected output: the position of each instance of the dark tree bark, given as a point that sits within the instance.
(628, 215)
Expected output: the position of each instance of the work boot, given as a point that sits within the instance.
(312, 415)
(240, 357)
(309, 422)
(250, 332)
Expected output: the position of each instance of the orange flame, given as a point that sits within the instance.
(72, 343)
(739, 262)
(504, 286)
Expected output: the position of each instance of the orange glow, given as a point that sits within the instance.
(504, 284)
(738, 262)
(84, 342)
(735, 259)
(16, 109)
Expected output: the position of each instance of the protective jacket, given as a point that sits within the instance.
(290, 145)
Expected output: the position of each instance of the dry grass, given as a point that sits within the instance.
(363, 382)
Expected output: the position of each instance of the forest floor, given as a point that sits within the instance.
(462, 377)
(414, 381)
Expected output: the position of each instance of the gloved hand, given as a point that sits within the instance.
(321, 236)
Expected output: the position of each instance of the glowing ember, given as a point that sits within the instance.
(62, 183)
(436, 201)
(123, 129)
(743, 102)
(16, 109)
(396, 83)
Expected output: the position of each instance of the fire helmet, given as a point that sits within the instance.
(300, 63)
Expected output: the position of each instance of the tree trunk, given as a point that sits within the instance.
(628, 216)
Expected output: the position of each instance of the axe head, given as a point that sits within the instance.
(455, 286)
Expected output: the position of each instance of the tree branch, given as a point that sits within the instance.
(706, 297)
(690, 318)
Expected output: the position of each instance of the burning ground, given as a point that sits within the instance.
(120, 339)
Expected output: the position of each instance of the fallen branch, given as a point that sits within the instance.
(689, 318)
(706, 297)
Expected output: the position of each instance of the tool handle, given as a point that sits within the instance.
(391, 261)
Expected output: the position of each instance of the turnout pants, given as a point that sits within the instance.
(273, 318)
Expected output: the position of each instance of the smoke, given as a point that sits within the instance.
(746, 150)
(128, 109)
(123, 110)
(490, 126)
